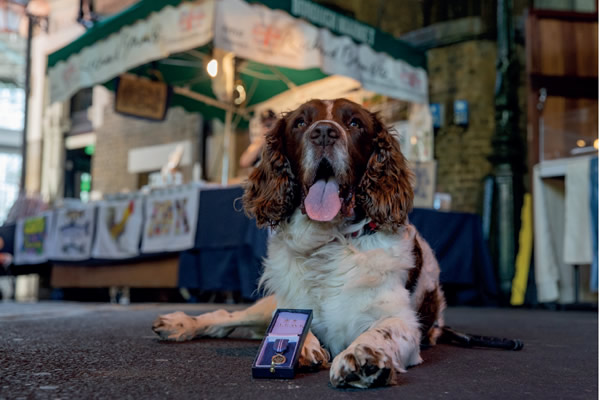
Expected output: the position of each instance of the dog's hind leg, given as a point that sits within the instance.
(179, 327)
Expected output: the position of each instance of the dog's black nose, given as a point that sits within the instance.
(324, 134)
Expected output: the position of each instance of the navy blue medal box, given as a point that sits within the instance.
(280, 349)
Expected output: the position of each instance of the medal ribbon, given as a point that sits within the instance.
(280, 345)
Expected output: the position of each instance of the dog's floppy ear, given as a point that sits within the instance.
(385, 190)
(271, 190)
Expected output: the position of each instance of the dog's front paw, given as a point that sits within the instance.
(176, 326)
(362, 366)
(312, 354)
(179, 327)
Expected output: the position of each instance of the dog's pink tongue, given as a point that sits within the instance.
(323, 201)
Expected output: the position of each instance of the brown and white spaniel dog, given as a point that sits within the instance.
(335, 187)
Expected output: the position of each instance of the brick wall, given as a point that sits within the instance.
(464, 71)
(119, 134)
(459, 68)
(392, 17)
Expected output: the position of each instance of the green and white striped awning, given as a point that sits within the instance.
(278, 45)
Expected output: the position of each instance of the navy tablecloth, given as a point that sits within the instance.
(7, 233)
(457, 240)
(229, 247)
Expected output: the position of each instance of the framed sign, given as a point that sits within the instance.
(141, 97)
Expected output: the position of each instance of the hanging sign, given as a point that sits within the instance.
(141, 97)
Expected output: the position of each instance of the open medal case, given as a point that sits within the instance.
(280, 349)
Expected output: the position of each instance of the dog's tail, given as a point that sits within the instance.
(468, 340)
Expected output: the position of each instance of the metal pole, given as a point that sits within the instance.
(506, 151)
(30, 24)
(229, 74)
(226, 146)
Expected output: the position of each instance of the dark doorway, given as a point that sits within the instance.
(78, 178)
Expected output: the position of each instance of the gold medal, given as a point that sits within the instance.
(278, 359)
(279, 346)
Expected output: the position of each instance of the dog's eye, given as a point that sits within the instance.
(300, 123)
(355, 123)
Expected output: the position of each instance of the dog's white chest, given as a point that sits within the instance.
(349, 286)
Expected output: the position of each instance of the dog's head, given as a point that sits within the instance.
(331, 158)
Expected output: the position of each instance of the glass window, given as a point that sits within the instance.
(12, 106)
(10, 175)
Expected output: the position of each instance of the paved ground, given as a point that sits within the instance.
(83, 351)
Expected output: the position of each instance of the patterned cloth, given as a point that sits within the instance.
(170, 220)
(118, 229)
(33, 240)
(73, 232)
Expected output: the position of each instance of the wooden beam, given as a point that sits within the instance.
(161, 273)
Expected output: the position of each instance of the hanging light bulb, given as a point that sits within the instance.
(240, 92)
(212, 68)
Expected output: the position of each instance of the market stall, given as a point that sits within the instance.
(227, 60)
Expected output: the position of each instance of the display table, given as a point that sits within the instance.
(229, 248)
(227, 255)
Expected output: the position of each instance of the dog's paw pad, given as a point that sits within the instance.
(361, 366)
